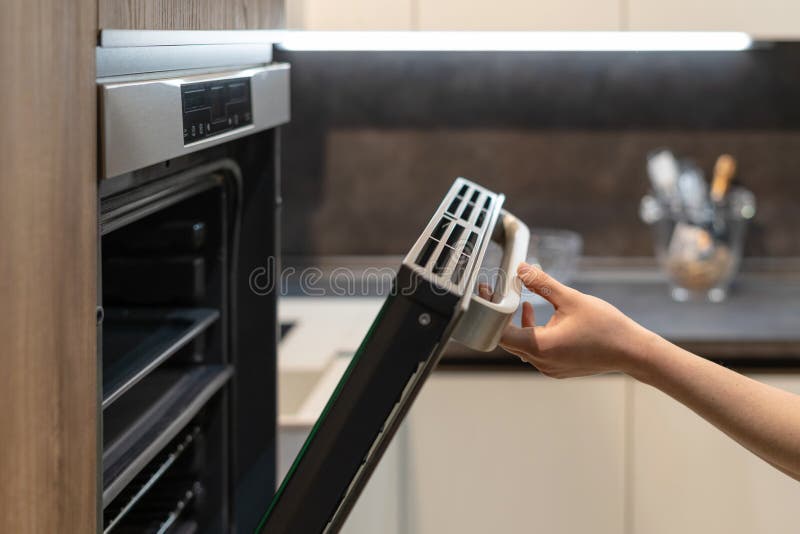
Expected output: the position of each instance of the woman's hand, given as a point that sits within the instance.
(585, 335)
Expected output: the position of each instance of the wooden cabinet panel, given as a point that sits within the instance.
(519, 15)
(48, 188)
(190, 15)
(687, 476)
(350, 15)
(762, 18)
(517, 453)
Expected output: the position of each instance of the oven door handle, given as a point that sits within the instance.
(482, 325)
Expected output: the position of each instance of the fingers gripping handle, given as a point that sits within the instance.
(484, 321)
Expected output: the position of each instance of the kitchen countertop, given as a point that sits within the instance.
(322, 329)
(315, 352)
(758, 325)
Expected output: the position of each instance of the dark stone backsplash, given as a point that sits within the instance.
(376, 139)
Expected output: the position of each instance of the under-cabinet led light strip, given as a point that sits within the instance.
(512, 41)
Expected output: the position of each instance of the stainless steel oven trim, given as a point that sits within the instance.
(127, 38)
(141, 121)
(126, 52)
(120, 61)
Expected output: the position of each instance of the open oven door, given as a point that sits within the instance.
(433, 300)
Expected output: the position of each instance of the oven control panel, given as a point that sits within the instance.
(215, 107)
(146, 122)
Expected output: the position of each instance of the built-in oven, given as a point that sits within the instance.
(187, 322)
(188, 209)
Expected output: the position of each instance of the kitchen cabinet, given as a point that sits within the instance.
(453, 15)
(516, 452)
(686, 476)
(763, 19)
(194, 15)
(48, 387)
(518, 15)
(48, 251)
(769, 19)
(350, 15)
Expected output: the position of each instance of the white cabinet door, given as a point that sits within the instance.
(516, 453)
(349, 14)
(686, 476)
(761, 18)
(519, 15)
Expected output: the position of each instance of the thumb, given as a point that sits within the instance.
(543, 284)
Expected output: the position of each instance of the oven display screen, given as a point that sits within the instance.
(212, 108)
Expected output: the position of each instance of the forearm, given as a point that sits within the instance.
(764, 419)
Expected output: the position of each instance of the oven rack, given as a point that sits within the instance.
(161, 513)
(151, 415)
(136, 341)
(148, 478)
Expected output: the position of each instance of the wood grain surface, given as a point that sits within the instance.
(48, 377)
(190, 15)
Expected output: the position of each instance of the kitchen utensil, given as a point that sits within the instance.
(664, 170)
(691, 241)
(724, 170)
(650, 209)
(741, 203)
(693, 192)
(698, 233)
(699, 262)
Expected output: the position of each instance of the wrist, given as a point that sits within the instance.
(643, 354)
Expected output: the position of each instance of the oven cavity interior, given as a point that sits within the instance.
(166, 361)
